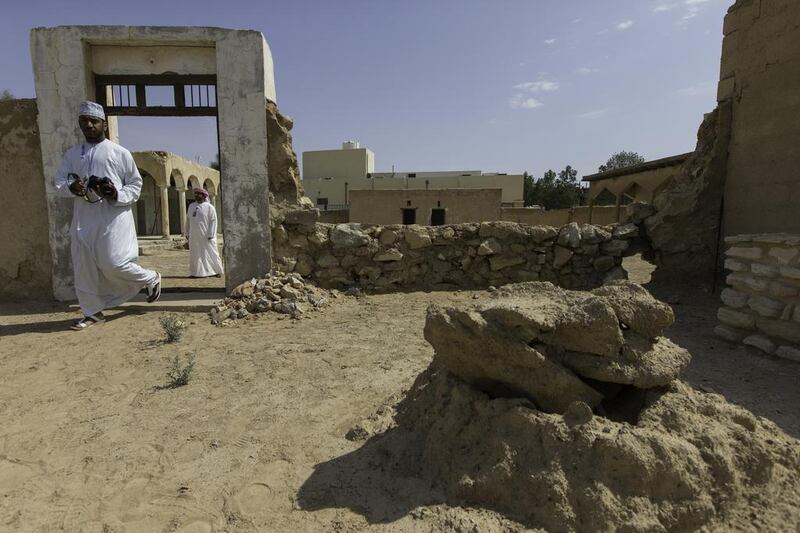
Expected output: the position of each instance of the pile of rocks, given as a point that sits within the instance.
(279, 292)
(562, 410)
(469, 255)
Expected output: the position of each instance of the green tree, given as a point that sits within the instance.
(621, 160)
(215, 163)
(555, 191)
(6, 95)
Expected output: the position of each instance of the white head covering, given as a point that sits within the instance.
(92, 109)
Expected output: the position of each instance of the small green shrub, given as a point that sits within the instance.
(179, 373)
(174, 327)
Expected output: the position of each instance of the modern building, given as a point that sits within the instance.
(330, 176)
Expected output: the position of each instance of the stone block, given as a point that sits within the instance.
(348, 236)
(489, 247)
(784, 256)
(736, 319)
(387, 237)
(747, 281)
(417, 237)
(392, 254)
(561, 256)
(302, 217)
(761, 269)
(614, 247)
(625, 231)
(788, 352)
(500, 262)
(603, 263)
(729, 333)
(745, 252)
(790, 272)
(570, 235)
(781, 329)
(761, 342)
(765, 306)
(540, 234)
(319, 235)
(734, 298)
(328, 261)
(781, 290)
(736, 265)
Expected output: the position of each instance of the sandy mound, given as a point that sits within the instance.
(508, 418)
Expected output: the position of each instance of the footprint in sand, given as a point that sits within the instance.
(258, 500)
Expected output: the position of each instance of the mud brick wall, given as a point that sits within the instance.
(761, 305)
(471, 255)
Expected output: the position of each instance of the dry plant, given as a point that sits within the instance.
(179, 373)
(174, 327)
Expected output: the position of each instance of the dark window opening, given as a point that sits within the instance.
(409, 216)
(408, 203)
(437, 217)
(412, 174)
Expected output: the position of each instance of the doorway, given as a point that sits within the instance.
(409, 215)
(169, 124)
(437, 216)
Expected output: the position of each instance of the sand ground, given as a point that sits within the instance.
(256, 440)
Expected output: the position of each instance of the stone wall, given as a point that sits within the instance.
(761, 306)
(463, 255)
(25, 261)
(598, 215)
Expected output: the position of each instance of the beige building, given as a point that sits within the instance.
(431, 207)
(167, 183)
(623, 186)
(329, 176)
(349, 162)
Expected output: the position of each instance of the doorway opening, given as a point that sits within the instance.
(409, 215)
(169, 123)
(437, 216)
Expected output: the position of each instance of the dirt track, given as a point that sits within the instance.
(89, 444)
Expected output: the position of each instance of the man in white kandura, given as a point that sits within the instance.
(201, 232)
(103, 179)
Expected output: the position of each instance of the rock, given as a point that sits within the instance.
(392, 254)
(603, 263)
(296, 284)
(787, 352)
(500, 229)
(729, 334)
(499, 262)
(262, 305)
(561, 256)
(625, 231)
(388, 237)
(319, 235)
(733, 298)
(540, 234)
(615, 274)
(614, 247)
(744, 252)
(640, 211)
(243, 290)
(304, 265)
(448, 233)
(736, 266)
(578, 414)
(417, 237)
(636, 308)
(317, 301)
(570, 235)
(782, 329)
(348, 236)
(289, 292)
(784, 256)
(328, 261)
(736, 319)
(761, 342)
(489, 247)
(218, 314)
(765, 306)
(301, 217)
(288, 307)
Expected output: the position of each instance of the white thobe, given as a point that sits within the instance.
(104, 245)
(201, 231)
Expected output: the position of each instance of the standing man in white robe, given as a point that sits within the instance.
(201, 232)
(103, 179)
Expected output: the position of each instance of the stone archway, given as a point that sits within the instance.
(148, 208)
(68, 61)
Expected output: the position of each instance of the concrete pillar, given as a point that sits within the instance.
(165, 211)
(182, 209)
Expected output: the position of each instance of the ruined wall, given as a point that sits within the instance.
(599, 215)
(284, 175)
(464, 255)
(461, 205)
(760, 76)
(25, 261)
(761, 305)
(684, 231)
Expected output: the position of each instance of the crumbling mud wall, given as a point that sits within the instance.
(761, 305)
(684, 232)
(564, 411)
(760, 77)
(461, 255)
(284, 176)
(25, 260)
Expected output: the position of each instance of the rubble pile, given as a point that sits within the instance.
(563, 410)
(279, 292)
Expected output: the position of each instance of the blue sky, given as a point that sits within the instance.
(500, 85)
